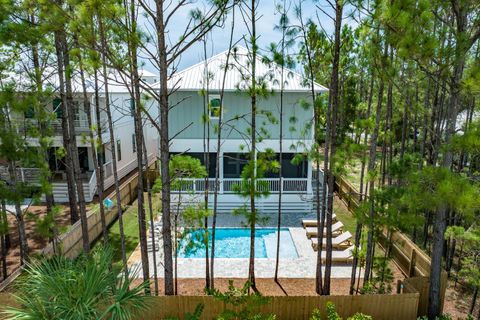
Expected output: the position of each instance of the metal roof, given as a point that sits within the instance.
(238, 75)
(117, 83)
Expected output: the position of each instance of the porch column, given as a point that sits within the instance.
(220, 178)
(309, 178)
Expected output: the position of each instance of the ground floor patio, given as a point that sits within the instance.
(303, 266)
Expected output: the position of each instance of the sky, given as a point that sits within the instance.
(219, 38)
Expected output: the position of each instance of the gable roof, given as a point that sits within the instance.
(193, 78)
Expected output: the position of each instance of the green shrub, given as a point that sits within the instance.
(332, 314)
(245, 303)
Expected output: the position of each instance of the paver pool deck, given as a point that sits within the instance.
(301, 267)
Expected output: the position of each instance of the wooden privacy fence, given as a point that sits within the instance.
(347, 193)
(70, 242)
(410, 259)
(421, 285)
(379, 306)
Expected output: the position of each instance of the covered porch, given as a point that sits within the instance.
(295, 185)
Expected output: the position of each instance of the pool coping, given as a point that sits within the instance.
(304, 266)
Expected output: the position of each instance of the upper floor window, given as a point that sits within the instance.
(132, 107)
(214, 106)
(57, 107)
(76, 111)
(30, 112)
(119, 150)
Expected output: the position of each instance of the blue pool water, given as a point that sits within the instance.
(235, 243)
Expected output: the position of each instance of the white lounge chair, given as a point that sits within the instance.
(339, 242)
(340, 256)
(336, 229)
(313, 222)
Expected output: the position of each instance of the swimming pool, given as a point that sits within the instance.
(235, 243)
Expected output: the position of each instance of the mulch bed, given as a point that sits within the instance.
(35, 242)
(267, 287)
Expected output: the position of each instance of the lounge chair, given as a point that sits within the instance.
(340, 242)
(313, 222)
(336, 229)
(340, 256)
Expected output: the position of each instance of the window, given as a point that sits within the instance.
(233, 164)
(212, 161)
(30, 112)
(134, 143)
(119, 151)
(101, 155)
(76, 111)
(57, 107)
(294, 169)
(214, 106)
(132, 107)
(290, 168)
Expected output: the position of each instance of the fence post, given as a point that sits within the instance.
(411, 267)
(399, 286)
(130, 192)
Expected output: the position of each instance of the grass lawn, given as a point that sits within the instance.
(344, 215)
(130, 229)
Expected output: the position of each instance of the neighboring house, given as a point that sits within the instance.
(123, 125)
(187, 128)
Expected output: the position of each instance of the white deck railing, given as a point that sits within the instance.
(231, 185)
(22, 174)
(92, 184)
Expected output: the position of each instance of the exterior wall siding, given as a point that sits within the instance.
(189, 112)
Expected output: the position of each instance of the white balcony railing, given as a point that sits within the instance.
(231, 185)
(81, 125)
(22, 174)
(107, 169)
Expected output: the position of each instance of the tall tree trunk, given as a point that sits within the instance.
(66, 135)
(474, 300)
(371, 169)
(426, 105)
(206, 159)
(387, 154)
(22, 235)
(440, 223)
(98, 172)
(150, 215)
(42, 122)
(3, 238)
(320, 207)
(332, 110)
(253, 152)
(404, 125)
(359, 227)
(69, 116)
(116, 180)
(280, 154)
(142, 223)
(218, 147)
(164, 150)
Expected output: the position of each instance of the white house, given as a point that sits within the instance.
(123, 127)
(187, 128)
